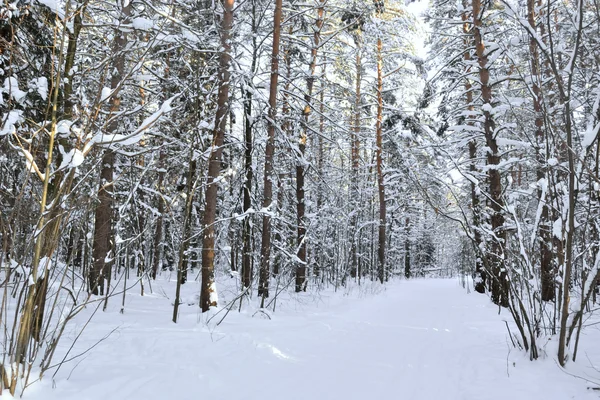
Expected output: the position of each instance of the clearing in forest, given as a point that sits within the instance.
(417, 340)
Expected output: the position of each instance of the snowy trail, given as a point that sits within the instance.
(418, 340)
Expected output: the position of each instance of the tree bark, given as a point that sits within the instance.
(185, 234)
(499, 284)
(407, 261)
(265, 249)
(70, 60)
(247, 201)
(103, 221)
(320, 155)
(480, 274)
(544, 228)
(249, 173)
(208, 293)
(355, 159)
(300, 163)
(565, 98)
(380, 183)
(284, 177)
(158, 232)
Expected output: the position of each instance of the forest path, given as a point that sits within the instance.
(416, 340)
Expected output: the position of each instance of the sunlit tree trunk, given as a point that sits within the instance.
(103, 222)
(265, 250)
(58, 185)
(480, 274)
(208, 291)
(286, 128)
(380, 183)
(499, 284)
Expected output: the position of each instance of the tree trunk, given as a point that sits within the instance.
(355, 158)
(499, 284)
(284, 177)
(70, 61)
(380, 184)
(569, 260)
(480, 274)
(185, 235)
(103, 222)
(247, 201)
(265, 248)
(158, 233)
(31, 315)
(320, 155)
(407, 261)
(300, 163)
(544, 228)
(58, 184)
(208, 293)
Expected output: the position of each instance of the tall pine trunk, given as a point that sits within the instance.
(380, 183)
(104, 218)
(249, 173)
(480, 274)
(499, 284)
(284, 177)
(158, 232)
(265, 249)
(300, 163)
(355, 158)
(544, 228)
(208, 291)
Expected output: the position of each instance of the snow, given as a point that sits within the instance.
(143, 24)
(55, 6)
(11, 86)
(31, 164)
(418, 340)
(513, 143)
(64, 126)
(72, 159)
(106, 93)
(134, 137)
(41, 86)
(13, 118)
(204, 125)
(557, 228)
(590, 136)
(144, 77)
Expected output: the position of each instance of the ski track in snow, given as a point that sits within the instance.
(417, 340)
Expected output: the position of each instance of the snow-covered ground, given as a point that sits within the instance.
(417, 340)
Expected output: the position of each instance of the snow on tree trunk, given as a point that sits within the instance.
(208, 289)
(265, 250)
